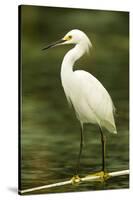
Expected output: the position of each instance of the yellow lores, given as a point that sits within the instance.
(67, 37)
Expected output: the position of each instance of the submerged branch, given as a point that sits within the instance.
(76, 179)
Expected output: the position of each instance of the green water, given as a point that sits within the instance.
(50, 132)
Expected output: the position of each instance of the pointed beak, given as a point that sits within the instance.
(59, 42)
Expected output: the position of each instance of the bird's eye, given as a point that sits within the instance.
(69, 37)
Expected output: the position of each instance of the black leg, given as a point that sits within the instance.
(80, 150)
(103, 149)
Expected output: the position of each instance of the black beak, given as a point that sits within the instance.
(54, 44)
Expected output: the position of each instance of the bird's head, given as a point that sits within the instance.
(74, 36)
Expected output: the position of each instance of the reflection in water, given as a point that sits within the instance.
(50, 132)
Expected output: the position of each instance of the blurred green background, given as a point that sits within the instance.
(49, 130)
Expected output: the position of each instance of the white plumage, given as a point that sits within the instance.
(90, 99)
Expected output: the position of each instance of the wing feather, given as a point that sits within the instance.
(97, 98)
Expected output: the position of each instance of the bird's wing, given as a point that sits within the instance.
(96, 96)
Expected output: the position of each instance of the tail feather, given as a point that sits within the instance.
(109, 126)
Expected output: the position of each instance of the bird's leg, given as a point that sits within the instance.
(80, 150)
(103, 174)
(76, 178)
(103, 149)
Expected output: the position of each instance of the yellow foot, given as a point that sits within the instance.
(75, 180)
(102, 176)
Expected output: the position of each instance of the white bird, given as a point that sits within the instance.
(90, 100)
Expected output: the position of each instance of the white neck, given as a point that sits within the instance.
(67, 66)
(70, 58)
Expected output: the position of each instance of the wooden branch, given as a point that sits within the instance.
(110, 175)
(77, 180)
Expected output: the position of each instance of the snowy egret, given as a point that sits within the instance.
(90, 100)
